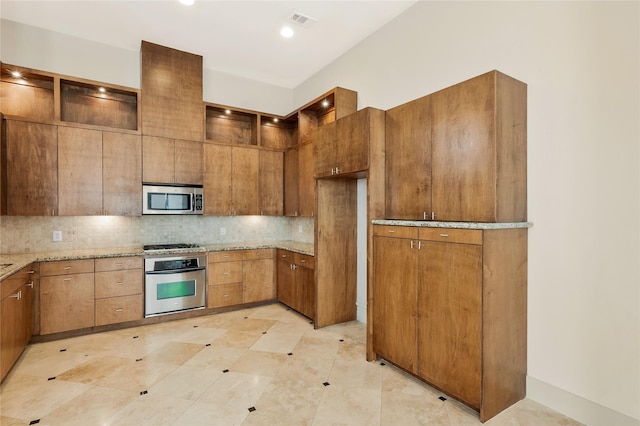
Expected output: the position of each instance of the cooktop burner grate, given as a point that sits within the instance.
(169, 246)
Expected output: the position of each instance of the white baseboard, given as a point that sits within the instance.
(576, 407)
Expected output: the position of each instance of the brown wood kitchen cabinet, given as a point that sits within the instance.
(450, 307)
(121, 174)
(66, 295)
(172, 161)
(296, 281)
(16, 311)
(343, 149)
(271, 183)
(300, 185)
(118, 290)
(30, 168)
(239, 276)
(460, 154)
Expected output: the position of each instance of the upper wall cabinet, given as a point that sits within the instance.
(460, 153)
(171, 99)
(51, 98)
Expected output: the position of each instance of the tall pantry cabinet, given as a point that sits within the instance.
(449, 288)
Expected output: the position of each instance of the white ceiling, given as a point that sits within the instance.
(237, 37)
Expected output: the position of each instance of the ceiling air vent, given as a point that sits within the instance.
(302, 20)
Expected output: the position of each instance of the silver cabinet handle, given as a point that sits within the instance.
(119, 310)
(29, 284)
(67, 267)
(225, 273)
(31, 272)
(444, 235)
(411, 244)
(68, 279)
(17, 296)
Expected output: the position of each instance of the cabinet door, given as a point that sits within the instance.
(79, 172)
(353, 142)
(244, 181)
(31, 164)
(158, 164)
(122, 174)
(271, 184)
(286, 281)
(188, 162)
(66, 303)
(463, 151)
(217, 180)
(306, 182)
(325, 152)
(307, 285)
(450, 318)
(408, 160)
(395, 294)
(10, 314)
(291, 183)
(258, 280)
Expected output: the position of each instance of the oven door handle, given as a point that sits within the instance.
(175, 271)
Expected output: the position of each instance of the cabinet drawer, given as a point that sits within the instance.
(286, 255)
(304, 260)
(224, 273)
(12, 284)
(118, 283)
(225, 256)
(395, 231)
(118, 263)
(64, 267)
(118, 309)
(465, 236)
(258, 254)
(224, 295)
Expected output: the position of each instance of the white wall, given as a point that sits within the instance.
(581, 63)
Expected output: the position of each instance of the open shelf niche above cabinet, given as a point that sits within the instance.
(24, 93)
(278, 132)
(226, 125)
(52, 98)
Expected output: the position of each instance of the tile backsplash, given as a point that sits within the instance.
(21, 234)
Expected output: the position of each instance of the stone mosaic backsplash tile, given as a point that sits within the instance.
(20, 234)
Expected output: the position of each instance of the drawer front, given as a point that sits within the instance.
(396, 231)
(225, 256)
(464, 236)
(12, 284)
(258, 254)
(219, 296)
(118, 283)
(224, 273)
(118, 263)
(304, 260)
(286, 255)
(64, 267)
(119, 309)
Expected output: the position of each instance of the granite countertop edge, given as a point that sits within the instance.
(455, 225)
(20, 260)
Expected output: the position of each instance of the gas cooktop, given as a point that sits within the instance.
(169, 246)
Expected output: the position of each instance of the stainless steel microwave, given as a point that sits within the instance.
(172, 199)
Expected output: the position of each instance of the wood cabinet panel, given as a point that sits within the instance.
(224, 273)
(291, 182)
(30, 168)
(271, 183)
(115, 310)
(450, 315)
(121, 174)
(226, 256)
(188, 162)
(171, 100)
(157, 156)
(217, 180)
(244, 181)
(118, 263)
(66, 302)
(408, 160)
(395, 287)
(258, 279)
(325, 153)
(62, 267)
(306, 182)
(395, 231)
(464, 236)
(258, 254)
(219, 296)
(287, 291)
(118, 283)
(79, 172)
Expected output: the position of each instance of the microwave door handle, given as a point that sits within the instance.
(193, 202)
(166, 201)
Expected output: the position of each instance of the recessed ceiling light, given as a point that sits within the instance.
(286, 32)
(325, 103)
(102, 89)
(227, 111)
(275, 120)
(16, 74)
(188, 2)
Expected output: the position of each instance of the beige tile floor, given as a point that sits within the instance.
(260, 366)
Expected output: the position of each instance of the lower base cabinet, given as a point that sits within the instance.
(450, 307)
(296, 282)
(240, 276)
(16, 309)
(119, 290)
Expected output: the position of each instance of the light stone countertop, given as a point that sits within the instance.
(455, 225)
(19, 261)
